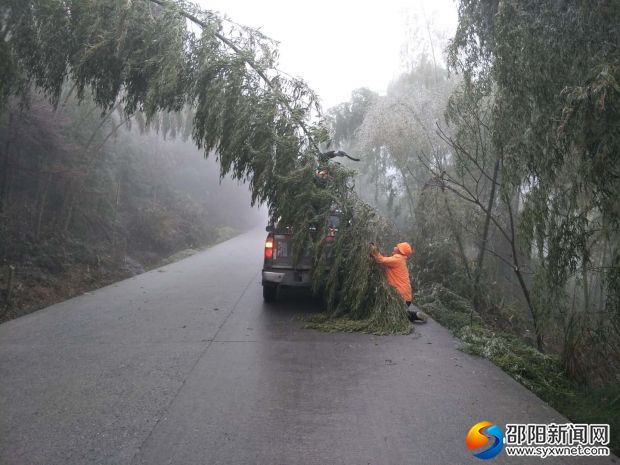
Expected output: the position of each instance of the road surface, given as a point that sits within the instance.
(186, 365)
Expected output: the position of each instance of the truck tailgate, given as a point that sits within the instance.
(283, 254)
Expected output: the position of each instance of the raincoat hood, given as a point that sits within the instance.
(404, 248)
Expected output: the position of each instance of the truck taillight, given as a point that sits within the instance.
(269, 248)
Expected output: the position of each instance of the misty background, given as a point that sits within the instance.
(90, 198)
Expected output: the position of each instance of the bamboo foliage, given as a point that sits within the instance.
(160, 57)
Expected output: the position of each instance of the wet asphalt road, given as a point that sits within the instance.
(186, 365)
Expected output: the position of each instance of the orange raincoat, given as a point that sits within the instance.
(396, 269)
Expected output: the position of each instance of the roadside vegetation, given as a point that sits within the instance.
(542, 373)
(500, 163)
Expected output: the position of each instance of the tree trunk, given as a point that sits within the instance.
(4, 191)
(485, 238)
(540, 342)
(117, 201)
(600, 301)
(457, 235)
(584, 279)
(6, 166)
(69, 214)
(409, 196)
(66, 200)
(9, 286)
(41, 206)
(526, 293)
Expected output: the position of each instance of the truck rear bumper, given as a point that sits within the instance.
(293, 278)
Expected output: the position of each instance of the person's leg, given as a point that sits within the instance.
(415, 314)
(410, 313)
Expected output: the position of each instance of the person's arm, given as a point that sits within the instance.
(390, 262)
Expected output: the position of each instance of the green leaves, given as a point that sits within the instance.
(550, 71)
(163, 61)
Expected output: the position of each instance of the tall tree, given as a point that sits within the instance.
(552, 69)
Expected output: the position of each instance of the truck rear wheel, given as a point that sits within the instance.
(270, 293)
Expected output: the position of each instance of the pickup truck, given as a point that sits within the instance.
(279, 269)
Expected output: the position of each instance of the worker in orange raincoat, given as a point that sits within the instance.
(398, 275)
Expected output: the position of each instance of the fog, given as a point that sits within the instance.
(89, 198)
(340, 46)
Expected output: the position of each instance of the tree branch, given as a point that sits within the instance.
(249, 62)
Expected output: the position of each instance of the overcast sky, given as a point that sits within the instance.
(337, 46)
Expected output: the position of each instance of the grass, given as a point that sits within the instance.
(541, 373)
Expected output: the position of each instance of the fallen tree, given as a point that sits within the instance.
(154, 56)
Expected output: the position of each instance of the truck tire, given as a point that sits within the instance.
(270, 293)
